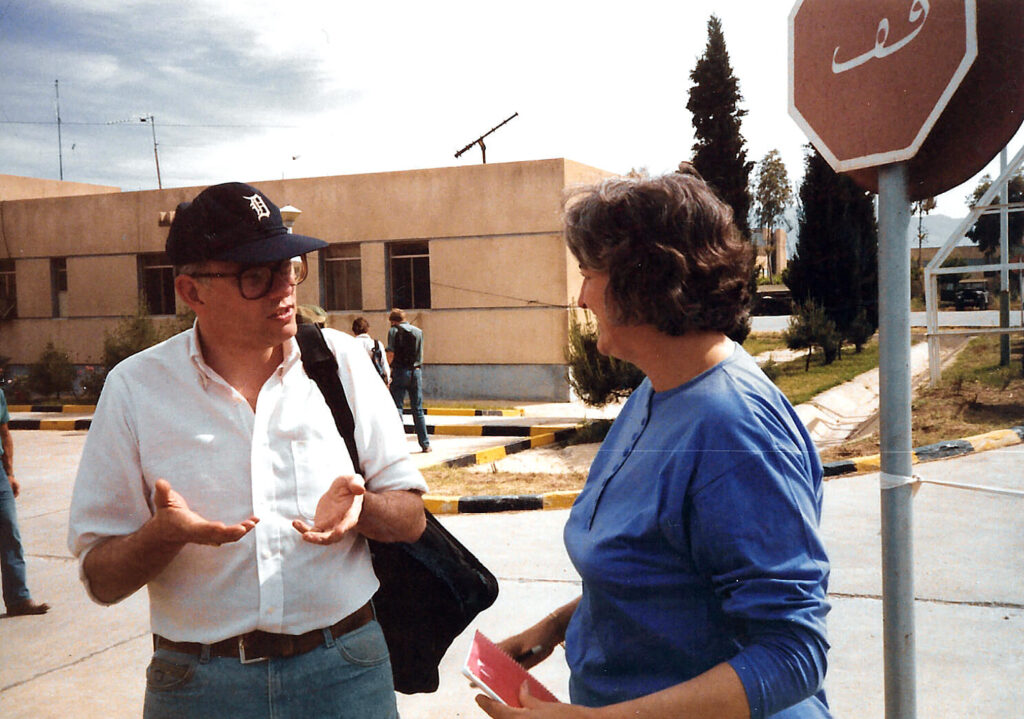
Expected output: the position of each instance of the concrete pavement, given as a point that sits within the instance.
(85, 661)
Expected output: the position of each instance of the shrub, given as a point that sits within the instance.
(53, 373)
(860, 330)
(597, 379)
(132, 335)
(811, 327)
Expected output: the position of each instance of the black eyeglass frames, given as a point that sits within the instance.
(256, 281)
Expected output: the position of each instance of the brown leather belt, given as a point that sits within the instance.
(258, 645)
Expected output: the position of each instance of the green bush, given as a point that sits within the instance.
(53, 373)
(596, 378)
(860, 330)
(811, 327)
(132, 335)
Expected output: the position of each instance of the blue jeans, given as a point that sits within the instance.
(12, 558)
(345, 678)
(410, 380)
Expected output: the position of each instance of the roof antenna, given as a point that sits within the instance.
(480, 140)
(60, 148)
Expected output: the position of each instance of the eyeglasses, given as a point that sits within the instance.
(255, 282)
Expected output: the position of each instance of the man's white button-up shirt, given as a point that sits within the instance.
(164, 414)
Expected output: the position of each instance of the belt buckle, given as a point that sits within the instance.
(241, 653)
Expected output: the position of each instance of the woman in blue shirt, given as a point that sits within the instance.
(696, 534)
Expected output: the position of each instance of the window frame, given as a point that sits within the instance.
(167, 300)
(402, 255)
(9, 288)
(344, 260)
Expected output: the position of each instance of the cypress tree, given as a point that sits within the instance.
(836, 261)
(719, 153)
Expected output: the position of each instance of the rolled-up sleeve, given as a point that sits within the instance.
(110, 497)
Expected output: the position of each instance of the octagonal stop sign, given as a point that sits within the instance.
(938, 84)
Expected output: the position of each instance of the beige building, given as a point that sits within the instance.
(776, 251)
(474, 254)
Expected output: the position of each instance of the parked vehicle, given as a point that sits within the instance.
(972, 293)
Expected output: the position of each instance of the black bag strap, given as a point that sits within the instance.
(322, 367)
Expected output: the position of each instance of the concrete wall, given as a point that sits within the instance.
(13, 187)
(501, 277)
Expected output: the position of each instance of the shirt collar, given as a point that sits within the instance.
(207, 374)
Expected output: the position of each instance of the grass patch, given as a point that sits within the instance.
(484, 481)
(799, 385)
(974, 396)
(758, 342)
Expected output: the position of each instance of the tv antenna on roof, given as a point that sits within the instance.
(480, 140)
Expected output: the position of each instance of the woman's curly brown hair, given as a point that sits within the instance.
(672, 253)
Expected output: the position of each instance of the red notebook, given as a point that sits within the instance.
(498, 675)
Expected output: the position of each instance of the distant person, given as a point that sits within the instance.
(214, 476)
(17, 598)
(374, 348)
(696, 534)
(405, 355)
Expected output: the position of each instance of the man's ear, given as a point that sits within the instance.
(188, 290)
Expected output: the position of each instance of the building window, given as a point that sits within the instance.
(8, 291)
(409, 274)
(342, 277)
(156, 283)
(59, 286)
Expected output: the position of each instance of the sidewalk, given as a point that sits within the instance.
(83, 661)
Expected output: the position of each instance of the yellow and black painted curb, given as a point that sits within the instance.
(563, 500)
(480, 430)
(52, 424)
(53, 408)
(940, 450)
(539, 436)
(469, 412)
(64, 425)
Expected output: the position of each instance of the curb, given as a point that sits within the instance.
(940, 450)
(479, 430)
(65, 425)
(493, 454)
(468, 412)
(539, 436)
(52, 408)
(563, 500)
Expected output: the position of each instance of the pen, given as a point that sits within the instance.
(532, 652)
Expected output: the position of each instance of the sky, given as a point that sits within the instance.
(261, 90)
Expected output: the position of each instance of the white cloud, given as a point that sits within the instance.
(391, 85)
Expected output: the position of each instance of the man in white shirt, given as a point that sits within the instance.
(374, 348)
(214, 475)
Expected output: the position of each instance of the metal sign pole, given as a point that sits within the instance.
(895, 428)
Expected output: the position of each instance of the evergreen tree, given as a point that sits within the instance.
(718, 153)
(772, 198)
(836, 262)
(985, 232)
(597, 379)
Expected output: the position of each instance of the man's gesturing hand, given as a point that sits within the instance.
(337, 512)
(180, 524)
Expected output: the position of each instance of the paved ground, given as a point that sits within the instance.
(85, 661)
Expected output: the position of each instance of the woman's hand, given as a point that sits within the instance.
(532, 707)
(531, 646)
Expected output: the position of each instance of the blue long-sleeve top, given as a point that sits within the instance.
(696, 536)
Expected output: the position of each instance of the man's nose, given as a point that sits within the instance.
(282, 285)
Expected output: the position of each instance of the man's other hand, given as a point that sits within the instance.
(337, 512)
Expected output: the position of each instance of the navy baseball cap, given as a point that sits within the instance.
(233, 222)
